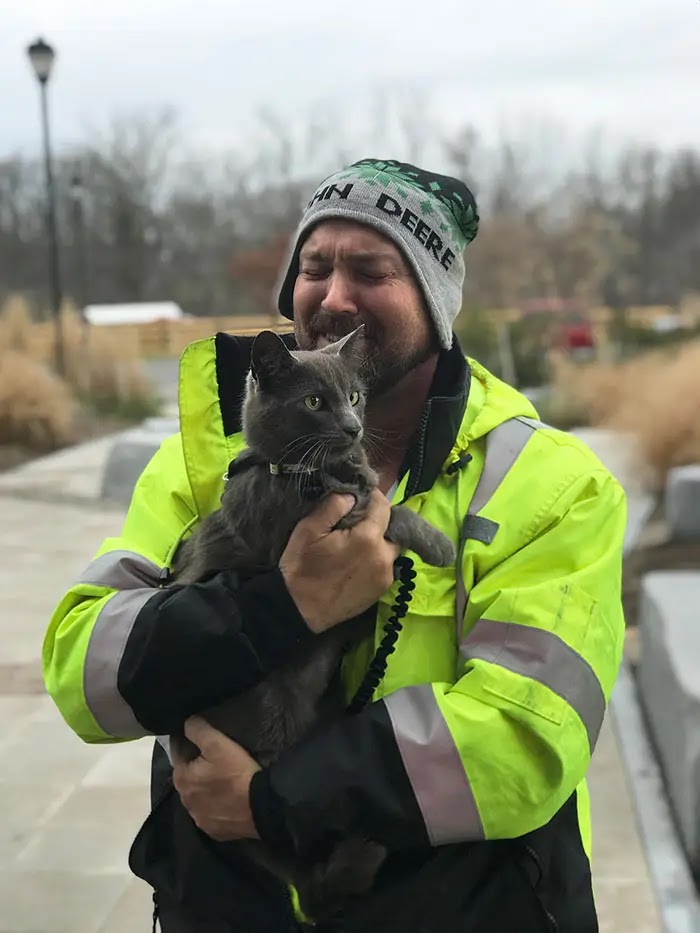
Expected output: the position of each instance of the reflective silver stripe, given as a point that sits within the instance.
(504, 444)
(542, 656)
(107, 642)
(433, 766)
(534, 423)
(121, 570)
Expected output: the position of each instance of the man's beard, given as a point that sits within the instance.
(381, 372)
(382, 367)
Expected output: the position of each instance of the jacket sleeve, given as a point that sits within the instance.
(498, 753)
(124, 657)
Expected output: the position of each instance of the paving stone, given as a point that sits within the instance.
(45, 746)
(132, 912)
(57, 901)
(100, 823)
(15, 712)
(682, 502)
(123, 765)
(24, 812)
(669, 687)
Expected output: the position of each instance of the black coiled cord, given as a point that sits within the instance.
(405, 574)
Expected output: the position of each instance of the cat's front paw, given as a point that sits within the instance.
(439, 551)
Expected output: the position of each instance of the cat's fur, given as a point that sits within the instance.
(249, 533)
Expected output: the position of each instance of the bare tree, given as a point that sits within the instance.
(207, 229)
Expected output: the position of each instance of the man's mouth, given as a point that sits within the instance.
(325, 340)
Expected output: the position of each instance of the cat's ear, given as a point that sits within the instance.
(348, 347)
(269, 357)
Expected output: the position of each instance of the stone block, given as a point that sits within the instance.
(683, 502)
(129, 455)
(669, 688)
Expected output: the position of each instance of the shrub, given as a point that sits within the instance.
(655, 396)
(40, 411)
(37, 409)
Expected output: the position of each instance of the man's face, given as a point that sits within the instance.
(350, 274)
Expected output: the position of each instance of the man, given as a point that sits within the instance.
(470, 763)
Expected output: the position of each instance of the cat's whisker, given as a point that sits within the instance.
(377, 443)
(381, 432)
(371, 446)
(380, 437)
(296, 442)
(302, 478)
(324, 456)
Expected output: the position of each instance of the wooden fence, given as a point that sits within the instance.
(158, 338)
(169, 338)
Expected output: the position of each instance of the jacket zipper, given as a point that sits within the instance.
(536, 859)
(411, 488)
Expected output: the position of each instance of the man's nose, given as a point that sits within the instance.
(339, 296)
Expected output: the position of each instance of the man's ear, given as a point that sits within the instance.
(269, 357)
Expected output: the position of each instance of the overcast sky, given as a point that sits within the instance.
(628, 67)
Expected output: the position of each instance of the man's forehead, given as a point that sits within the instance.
(358, 240)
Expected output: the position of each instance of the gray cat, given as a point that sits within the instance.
(302, 422)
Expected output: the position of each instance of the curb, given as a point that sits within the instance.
(672, 881)
(75, 475)
(677, 898)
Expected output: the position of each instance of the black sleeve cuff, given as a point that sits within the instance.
(268, 815)
(271, 621)
(194, 646)
(347, 779)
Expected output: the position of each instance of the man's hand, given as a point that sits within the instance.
(214, 788)
(332, 574)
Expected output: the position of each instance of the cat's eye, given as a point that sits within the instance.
(354, 397)
(314, 402)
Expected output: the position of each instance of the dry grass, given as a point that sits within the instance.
(39, 410)
(104, 372)
(655, 396)
(15, 325)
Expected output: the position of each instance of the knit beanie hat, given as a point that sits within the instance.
(431, 218)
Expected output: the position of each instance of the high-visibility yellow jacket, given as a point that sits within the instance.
(484, 723)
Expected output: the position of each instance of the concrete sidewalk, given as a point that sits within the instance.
(71, 811)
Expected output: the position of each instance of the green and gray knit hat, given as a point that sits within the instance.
(431, 218)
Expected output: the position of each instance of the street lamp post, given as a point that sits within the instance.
(41, 56)
(77, 193)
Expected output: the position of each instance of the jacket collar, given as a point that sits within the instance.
(441, 421)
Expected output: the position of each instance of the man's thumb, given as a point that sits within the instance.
(204, 736)
(331, 510)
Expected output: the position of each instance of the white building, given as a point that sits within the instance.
(134, 313)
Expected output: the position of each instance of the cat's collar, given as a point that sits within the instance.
(245, 461)
(289, 469)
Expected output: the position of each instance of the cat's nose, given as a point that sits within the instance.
(352, 430)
